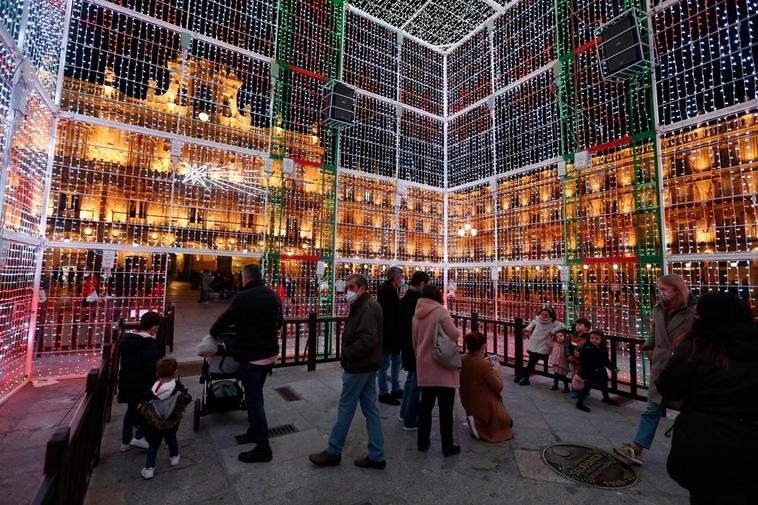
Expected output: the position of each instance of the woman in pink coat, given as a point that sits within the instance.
(435, 381)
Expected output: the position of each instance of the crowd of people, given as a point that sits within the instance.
(704, 362)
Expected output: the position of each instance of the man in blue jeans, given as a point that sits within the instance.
(256, 315)
(389, 299)
(361, 357)
(411, 393)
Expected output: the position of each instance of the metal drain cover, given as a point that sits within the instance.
(288, 394)
(589, 465)
(276, 431)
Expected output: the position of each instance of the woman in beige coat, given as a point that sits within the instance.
(481, 386)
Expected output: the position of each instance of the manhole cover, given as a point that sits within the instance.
(588, 465)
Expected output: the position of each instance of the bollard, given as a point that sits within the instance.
(312, 331)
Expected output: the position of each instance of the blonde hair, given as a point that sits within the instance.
(677, 283)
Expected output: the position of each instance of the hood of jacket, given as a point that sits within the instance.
(133, 341)
(163, 391)
(426, 307)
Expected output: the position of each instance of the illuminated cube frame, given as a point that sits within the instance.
(740, 259)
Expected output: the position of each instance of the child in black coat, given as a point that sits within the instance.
(594, 360)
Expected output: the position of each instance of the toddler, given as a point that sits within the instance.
(581, 332)
(162, 414)
(558, 360)
(594, 360)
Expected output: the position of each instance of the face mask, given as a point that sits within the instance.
(665, 297)
(351, 296)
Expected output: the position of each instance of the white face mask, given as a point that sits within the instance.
(351, 296)
(665, 296)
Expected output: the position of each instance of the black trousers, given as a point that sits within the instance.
(534, 357)
(446, 397)
(599, 384)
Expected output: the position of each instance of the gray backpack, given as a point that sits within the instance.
(444, 349)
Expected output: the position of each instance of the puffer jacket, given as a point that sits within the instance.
(362, 337)
(164, 410)
(715, 436)
(256, 315)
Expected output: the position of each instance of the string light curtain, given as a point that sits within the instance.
(707, 51)
(469, 75)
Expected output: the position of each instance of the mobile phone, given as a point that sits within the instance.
(493, 360)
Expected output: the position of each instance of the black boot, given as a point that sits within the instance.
(257, 455)
(582, 396)
(555, 384)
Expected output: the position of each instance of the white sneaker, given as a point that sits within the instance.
(124, 447)
(410, 428)
(472, 426)
(147, 473)
(139, 442)
(174, 460)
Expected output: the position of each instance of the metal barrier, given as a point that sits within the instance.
(311, 341)
(73, 451)
(505, 339)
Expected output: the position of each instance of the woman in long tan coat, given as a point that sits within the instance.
(481, 385)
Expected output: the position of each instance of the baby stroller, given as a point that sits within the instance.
(222, 387)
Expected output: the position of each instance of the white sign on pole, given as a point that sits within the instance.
(109, 259)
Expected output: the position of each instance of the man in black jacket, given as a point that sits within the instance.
(256, 314)
(411, 393)
(389, 299)
(361, 356)
(139, 352)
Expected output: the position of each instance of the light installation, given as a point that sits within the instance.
(194, 129)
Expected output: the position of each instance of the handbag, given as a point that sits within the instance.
(444, 349)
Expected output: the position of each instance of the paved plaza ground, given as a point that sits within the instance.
(510, 472)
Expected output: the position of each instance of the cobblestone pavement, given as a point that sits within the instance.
(511, 472)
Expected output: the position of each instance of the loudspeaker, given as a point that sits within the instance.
(621, 50)
(339, 104)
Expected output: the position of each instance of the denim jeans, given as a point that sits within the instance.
(411, 400)
(649, 424)
(395, 374)
(204, 295)
(132, 419)
(253, 378)
(358, 387)
(154, 439)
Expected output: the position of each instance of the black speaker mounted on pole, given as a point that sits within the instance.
(339, 104)
(621, 48)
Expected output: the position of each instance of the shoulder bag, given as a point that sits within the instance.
(444, 349)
